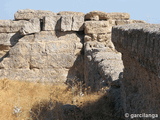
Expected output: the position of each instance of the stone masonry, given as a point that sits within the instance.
(57, 47)
(139, 45)
(103, 63)
(42, 46)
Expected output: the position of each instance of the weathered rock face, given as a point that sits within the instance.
(139, 44)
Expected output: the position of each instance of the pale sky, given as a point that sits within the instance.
(148, 10)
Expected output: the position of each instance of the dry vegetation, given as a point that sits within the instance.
(35, 101)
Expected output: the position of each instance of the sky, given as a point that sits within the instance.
(147, 10)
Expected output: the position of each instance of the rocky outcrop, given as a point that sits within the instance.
(139, 45)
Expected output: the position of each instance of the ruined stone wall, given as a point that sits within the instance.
(42, 46)
(103, 64)
(58, 47)
(139, 45)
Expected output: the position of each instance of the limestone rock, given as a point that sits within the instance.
(61, 60)
(138, 21)
(33, 26)
(48, 36)
(52, 23)
(3, 51)
(70, 13)
(59, 47)
(112, 22)
(123, 22)
(96, 27)
(78, 22)
(45, 36)
(18, 62)
(96, 15)
(9, 39)
(118, 16)
(103, 37)
(35, 75)
(28, 38)
(66, 23)
(9, 26)
(87, 38)
(28, 14)
(140, 48)
(5, 26)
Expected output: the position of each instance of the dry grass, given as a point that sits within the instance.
(18, 98)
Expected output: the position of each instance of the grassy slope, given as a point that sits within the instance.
(28, 96)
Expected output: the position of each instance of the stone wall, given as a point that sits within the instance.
(58, 47)
(139, 45)
(42, 46)
(103, 64)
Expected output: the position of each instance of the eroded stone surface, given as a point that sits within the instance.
(33, 26)
(99, 15)
(52, 23)
(28, 14)
(66, 23)
(71, 13)
(139, 44)
(92, 27)
(9, 26)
